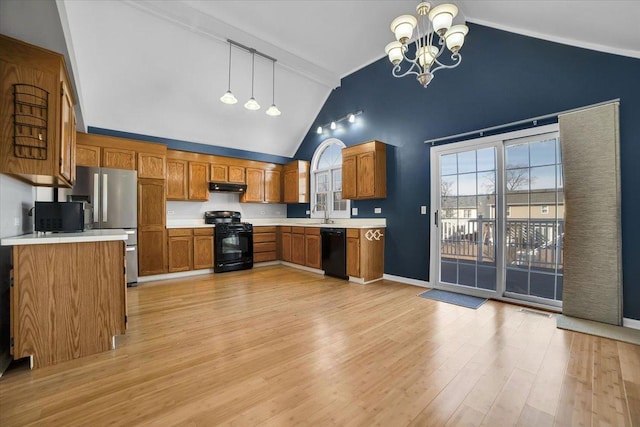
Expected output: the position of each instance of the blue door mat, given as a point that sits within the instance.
(453, 298)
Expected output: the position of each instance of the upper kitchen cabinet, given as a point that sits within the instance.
(364, 171)
(37, 120)
(149, 159)
(263, 185)
(227, 173)
(296, 182)
(187, 176)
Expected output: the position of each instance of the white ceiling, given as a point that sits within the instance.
(158, 67)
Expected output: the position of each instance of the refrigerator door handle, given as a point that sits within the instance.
(130, 248)
(105, 196)
(96, 196)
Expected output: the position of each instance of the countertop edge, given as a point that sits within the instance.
(35, 239)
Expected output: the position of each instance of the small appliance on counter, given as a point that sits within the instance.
(233, 241)
(62, 217)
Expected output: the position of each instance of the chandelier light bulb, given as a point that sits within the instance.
(333, 125)
(273, 111)
(426, 55)
(228, 98)
(319, 130)
(402, 27)
(394, 51)
(455, 37)
(352, 118)
(442, 17)
(252, 104)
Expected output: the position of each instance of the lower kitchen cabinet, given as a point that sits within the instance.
(297, 245)
(365, 253)
(312, 247)
(264, 244)
(152, 251)
(180, 244)
(285, 243)
(202, 248)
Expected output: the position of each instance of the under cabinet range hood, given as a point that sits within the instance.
(227, 187)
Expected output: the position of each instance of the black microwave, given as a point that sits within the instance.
(59, 216)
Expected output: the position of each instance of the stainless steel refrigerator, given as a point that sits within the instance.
(113, 196)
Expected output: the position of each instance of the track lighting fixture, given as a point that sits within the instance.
(351, 118)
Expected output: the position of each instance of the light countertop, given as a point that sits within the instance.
(51, 238)
(299, 222)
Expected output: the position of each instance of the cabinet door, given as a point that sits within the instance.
(255, 186)
(151, 203)
(353, 256)
(286, 246)
(118, 158)
(297, 248)
(202, 252)
(151, 166)
(67, 133)
(313, 254)
(291, 186)
(87, 155)
(180, 253)
(272, 186)
(177, 179)
(152, 251)
(236, 174)
(198, 181)
(349, 177)
(219, 173)
(365, 186)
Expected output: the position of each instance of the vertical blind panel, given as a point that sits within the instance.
(592, 240)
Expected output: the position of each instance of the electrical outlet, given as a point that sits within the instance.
(354, 211)
(423, 210)
(308, 212)
(377, 210)
(16, 221)
(171, 212)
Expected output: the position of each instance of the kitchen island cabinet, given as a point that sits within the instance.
(68, 298)
(365, 254)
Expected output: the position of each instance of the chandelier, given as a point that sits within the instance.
(438, 20)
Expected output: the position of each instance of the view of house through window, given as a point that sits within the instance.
(326, 181)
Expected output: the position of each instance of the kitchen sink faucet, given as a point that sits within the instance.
(323, 206)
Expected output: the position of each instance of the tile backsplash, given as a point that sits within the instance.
(221, 202)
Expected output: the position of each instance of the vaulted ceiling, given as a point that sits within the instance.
(159, 67)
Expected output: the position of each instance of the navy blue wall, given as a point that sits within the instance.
(176, 144)
(503, 78)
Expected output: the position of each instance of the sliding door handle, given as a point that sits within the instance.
(435, 218)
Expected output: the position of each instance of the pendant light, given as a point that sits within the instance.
(273, 111)
(228, 97)
(252, 104)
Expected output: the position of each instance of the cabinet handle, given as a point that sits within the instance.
(105, 197)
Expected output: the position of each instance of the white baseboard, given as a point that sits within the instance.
(631, 323)
(266, 263)
(302, 267)
(178, 275)
(407, 280)
(361, 281)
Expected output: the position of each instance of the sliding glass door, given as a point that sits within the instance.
(498, 210)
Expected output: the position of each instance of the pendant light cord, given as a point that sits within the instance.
(253, 75)
(273, 83)
(230, 66)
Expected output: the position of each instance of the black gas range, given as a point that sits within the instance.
(233, 241)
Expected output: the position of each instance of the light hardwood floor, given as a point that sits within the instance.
(276, 346)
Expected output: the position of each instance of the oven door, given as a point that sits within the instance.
(233, 250)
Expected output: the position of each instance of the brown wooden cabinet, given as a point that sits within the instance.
(313, 247)
(364, 171)
(177, 179)
(202, 248)
(118, 158)
(285, 243)
(151, 165)
(180, 246)
(263, 186)
(264, 244)
(152, 255)
(296, 182)
(365, 253)
(227, 173)
(198, 181)
(88, 155)
(297, 245)
(236, 174)
(37, 119)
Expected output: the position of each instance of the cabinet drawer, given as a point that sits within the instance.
(285, 229)
(180, 232)
(315, 231)
(264, 230)
(264, 256)
(264, 237)
(264, 247)
(353, 232)
(297, 230)
(203, 231)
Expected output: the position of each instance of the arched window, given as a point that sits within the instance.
(326, 181)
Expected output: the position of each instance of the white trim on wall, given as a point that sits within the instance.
(631, 323)
(407, 280)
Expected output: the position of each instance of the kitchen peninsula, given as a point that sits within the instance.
(68, 294)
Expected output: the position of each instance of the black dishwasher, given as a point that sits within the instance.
(334, 252)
